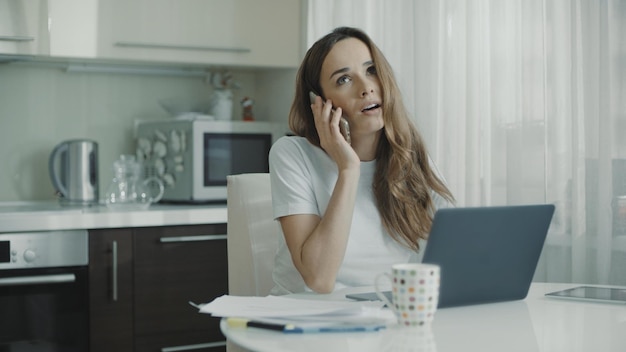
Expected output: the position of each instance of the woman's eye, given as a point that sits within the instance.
(343, 80)
(371, 70)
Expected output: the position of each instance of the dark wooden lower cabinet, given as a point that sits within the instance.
(168, 267)
(111, 290)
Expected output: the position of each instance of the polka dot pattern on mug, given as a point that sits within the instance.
(415, 289)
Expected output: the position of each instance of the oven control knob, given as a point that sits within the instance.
(30, 256)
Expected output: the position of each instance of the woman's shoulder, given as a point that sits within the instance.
(290, 140)
(288, 149)
(290, 144)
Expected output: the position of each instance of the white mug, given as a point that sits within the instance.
(414, 291)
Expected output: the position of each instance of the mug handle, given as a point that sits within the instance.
(380, 294)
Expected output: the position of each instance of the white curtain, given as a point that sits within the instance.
(520, 101)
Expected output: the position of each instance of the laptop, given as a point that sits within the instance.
(486, 254)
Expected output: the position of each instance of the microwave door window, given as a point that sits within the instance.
(217, 162)
(231, 154)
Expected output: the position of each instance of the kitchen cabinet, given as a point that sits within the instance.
(154, 272)
(175, 265)
(23, 28)
(246, 33)
(235, 33)
(111, 290)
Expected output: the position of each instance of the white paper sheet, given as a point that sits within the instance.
(277, 306)
(296, 315)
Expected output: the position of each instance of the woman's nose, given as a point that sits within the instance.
(365, 85)
(366, 91)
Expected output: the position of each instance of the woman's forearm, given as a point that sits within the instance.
(319, 255)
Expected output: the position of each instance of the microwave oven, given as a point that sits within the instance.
(193, 157)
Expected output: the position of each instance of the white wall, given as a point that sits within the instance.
(40, 106)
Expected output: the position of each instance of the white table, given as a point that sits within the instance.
(534, 324)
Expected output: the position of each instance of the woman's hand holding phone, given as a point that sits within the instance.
(344, 126)
(324, 114)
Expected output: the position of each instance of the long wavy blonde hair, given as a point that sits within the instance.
(403, 178)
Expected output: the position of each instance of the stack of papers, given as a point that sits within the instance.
(291, 315)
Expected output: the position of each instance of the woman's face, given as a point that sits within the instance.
(348, 78)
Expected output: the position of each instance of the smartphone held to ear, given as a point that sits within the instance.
(344, 127)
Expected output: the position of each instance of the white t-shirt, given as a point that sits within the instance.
(303, 177)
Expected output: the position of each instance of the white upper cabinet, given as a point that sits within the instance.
(234, 32)
(250, 33)
(23, 28)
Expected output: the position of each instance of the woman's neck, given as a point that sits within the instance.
(366, 146)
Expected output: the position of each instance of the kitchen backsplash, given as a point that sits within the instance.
(42, 106)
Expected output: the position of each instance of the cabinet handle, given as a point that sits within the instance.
(114, 269)
(37, 280)
(181, 47)
(193, 347)
(16, 38)
(192, 238)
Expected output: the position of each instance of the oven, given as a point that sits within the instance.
(44, 300)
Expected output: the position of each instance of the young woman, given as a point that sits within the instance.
(348, 211)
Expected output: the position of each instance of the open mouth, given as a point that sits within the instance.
(371, 107)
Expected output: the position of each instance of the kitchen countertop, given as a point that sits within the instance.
(50, 215)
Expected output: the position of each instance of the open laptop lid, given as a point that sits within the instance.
(487, 254)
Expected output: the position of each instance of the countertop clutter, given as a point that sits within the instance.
(50, 215)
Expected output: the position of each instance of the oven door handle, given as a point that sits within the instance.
(37, 280)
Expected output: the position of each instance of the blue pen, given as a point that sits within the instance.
(247, 323)
(293, 329)
(338, 328)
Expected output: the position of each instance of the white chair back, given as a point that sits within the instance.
(252, 235)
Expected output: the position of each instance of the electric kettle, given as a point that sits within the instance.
(73, 168)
